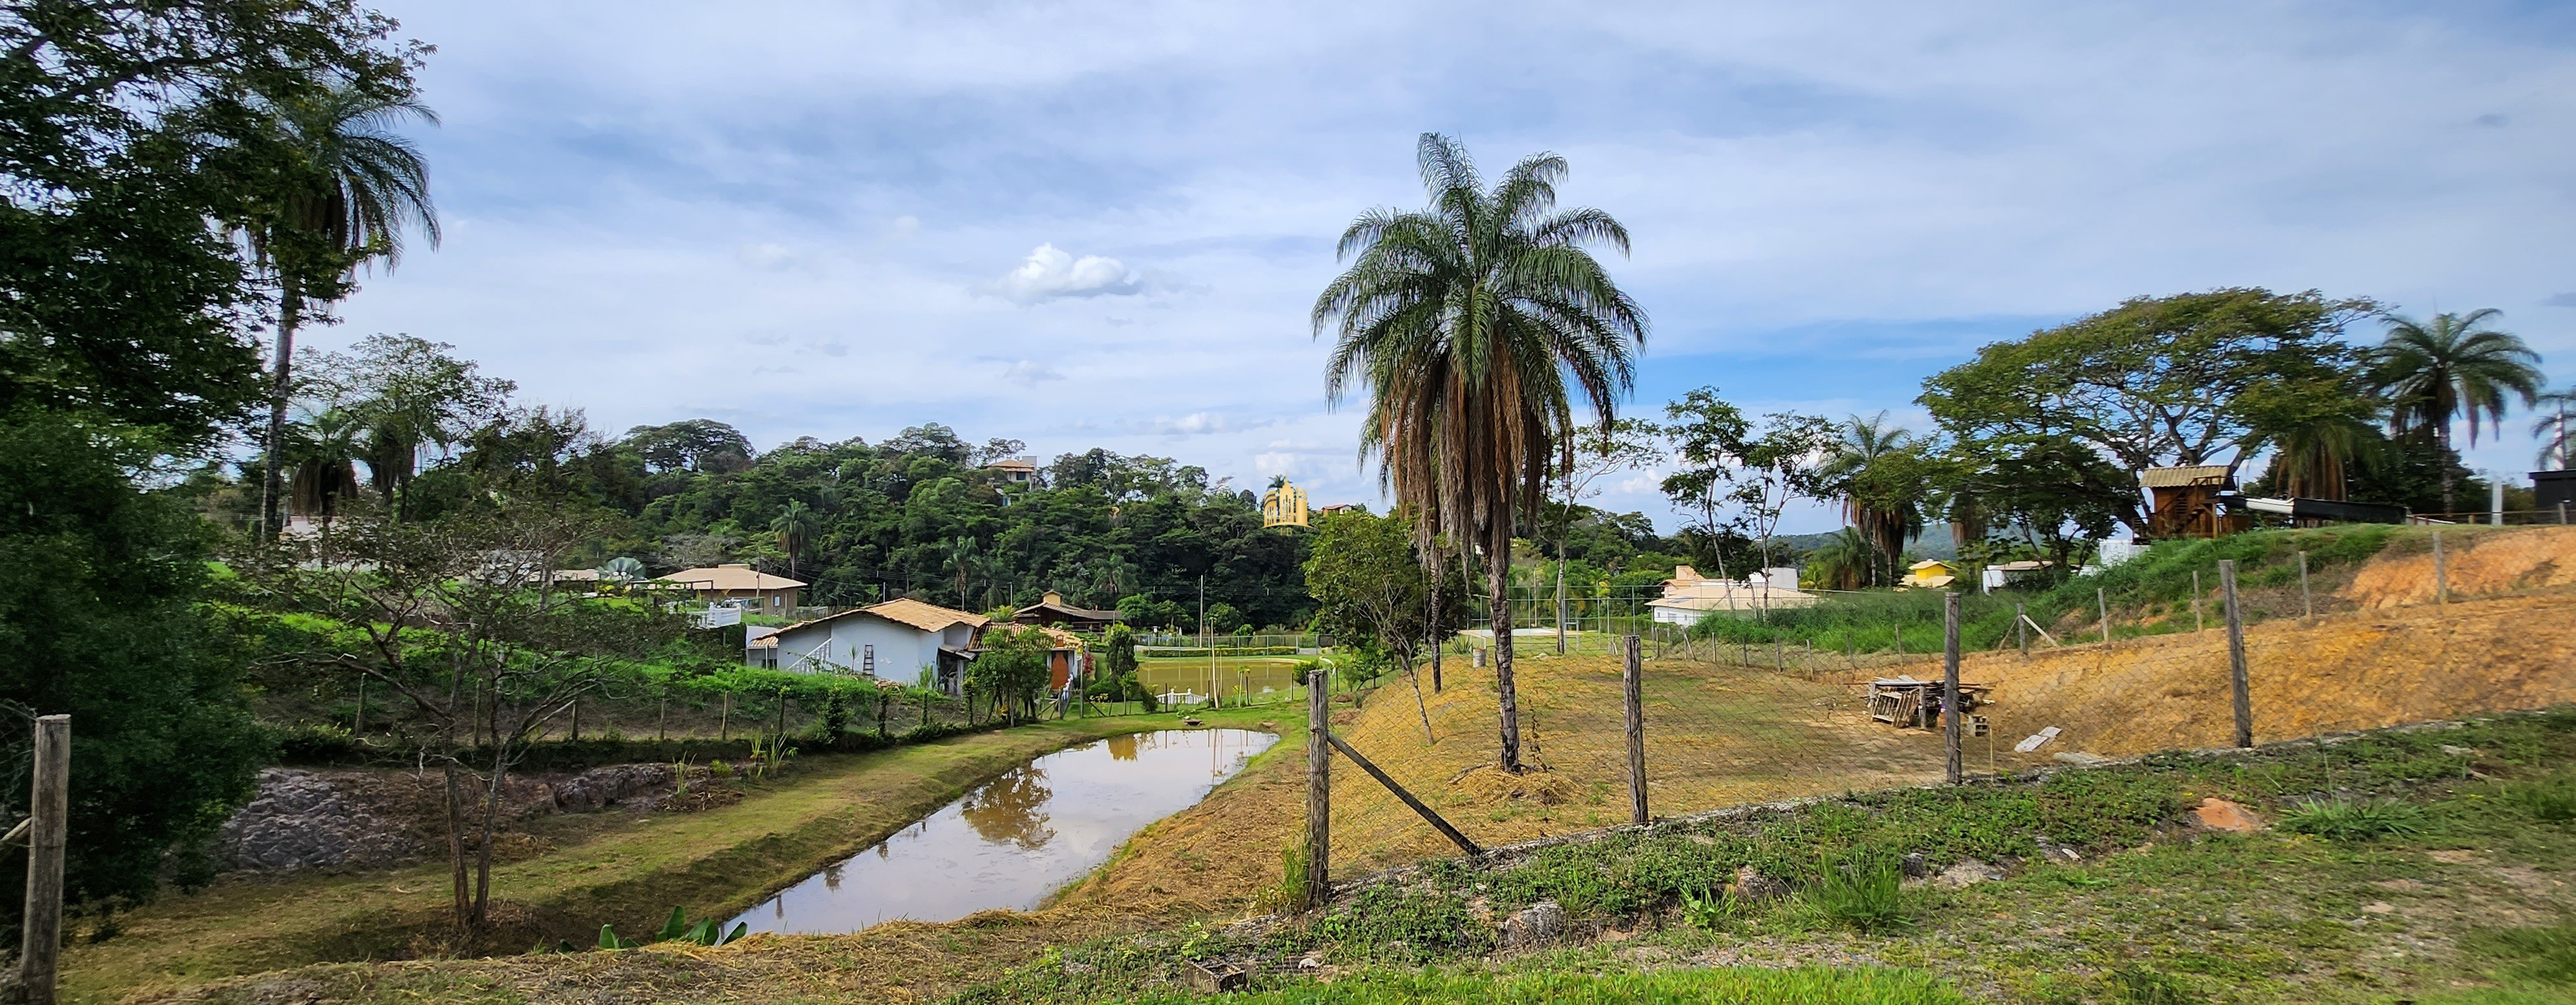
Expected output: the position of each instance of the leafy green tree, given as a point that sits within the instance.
(1472, 325)
(100, 583)
(1012, 670)
(358, 185)
(1726, 460)
(1372, 588)
(2452, 367)
(1222, 619)
(411, 395)
(2154, 382)
(691, 445)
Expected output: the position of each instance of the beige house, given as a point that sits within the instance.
(1015, 470)
(736, 581)
(1689, 596)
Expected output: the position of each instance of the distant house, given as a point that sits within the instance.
(895, 641)
(1015, 470)
(1053, 612)
(1929, 574)
(737, 582)
(1689, 596)
(1328, 510)
(2003, 574)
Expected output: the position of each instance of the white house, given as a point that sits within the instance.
(1688, 596)
(895, 641)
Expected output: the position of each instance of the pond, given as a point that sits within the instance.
(1018, 838)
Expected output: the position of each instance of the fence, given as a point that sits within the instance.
(2444, 627)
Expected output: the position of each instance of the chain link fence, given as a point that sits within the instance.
(2425, 631)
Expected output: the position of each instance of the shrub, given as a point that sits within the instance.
(2343, 819)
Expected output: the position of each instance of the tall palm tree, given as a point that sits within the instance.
(1883, 526)
(1472, 324)
(2550, 428)
(963, 559)
(359, 187)
(2451, 367)
(324, 451)
(796, 527)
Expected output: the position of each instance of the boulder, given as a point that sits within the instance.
(609, 785)
(1535, 925)
(2220, 815)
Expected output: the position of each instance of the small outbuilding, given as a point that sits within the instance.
(1930, 574)
(1053, 612)
(2198, 500)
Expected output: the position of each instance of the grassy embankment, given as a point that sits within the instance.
(2427, 865)
(610, 868)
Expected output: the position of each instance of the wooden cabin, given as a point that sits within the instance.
(2195, 501)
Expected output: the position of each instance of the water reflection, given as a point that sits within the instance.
(1012, 809)
(1012, 841)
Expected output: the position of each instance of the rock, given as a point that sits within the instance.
(2453, 751)
(607, 786)
(2080, 758)
(1535, 925)
(1752, 885)
(1914, 865)
(1968, 872)
(310, 820)
(1310, 962)
(2053, 852)
(2220, 815)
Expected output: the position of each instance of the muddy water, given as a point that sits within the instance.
(1019, 837)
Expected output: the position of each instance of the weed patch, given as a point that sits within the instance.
(2342, 819)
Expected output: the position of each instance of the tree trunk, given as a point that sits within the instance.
(2442, 457)
(272, 504)
(1499, 576)
(456, 847)
(1438, 642)
(482, 916)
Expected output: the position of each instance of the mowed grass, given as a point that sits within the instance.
(715, 862)
(1733, 985)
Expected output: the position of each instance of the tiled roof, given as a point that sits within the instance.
(728, 577)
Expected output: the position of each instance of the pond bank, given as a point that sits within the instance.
(717, 861)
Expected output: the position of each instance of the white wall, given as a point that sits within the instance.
(901, 650)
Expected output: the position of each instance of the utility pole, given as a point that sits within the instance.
(1207, 640)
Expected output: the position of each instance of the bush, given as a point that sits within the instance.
(2550, 800)
(1865, 890)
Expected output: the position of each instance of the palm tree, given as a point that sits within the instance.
(796, 529)
(622, 570)
(359, 187)
(324, 452)
(1884, 526)
(963, 559)
(1472, 323)
(2551, 428)
(2453, 366)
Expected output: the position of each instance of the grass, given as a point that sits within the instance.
(1735, 985)
(719, 861)
(2353, 820)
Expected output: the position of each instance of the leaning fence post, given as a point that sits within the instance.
(48, 804)
(2021, 628)
(2198, 623)
(1950, 683)
(1632, 683)
(2104, 599)
(2307, 602)
(1319, 791)
(2244, 701)
(2441, 581)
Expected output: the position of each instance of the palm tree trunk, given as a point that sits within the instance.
(290, 309)
(2442, 457)
(1498, 575)
(1560, 596)
(1438, 642)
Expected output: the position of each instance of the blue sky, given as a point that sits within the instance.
(1104, 224)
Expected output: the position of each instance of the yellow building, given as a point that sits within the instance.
(1284, 506)
(1930, 574)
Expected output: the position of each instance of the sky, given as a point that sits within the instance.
(1105, 225)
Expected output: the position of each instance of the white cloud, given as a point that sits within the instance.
(1027, 373)
(1049, 273)
(767, 257)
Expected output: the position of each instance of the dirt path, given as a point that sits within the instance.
(715, 862)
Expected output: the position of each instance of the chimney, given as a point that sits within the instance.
(1053, 597)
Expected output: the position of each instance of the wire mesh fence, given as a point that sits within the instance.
(2429, 630)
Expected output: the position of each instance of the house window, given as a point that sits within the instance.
(868, 659)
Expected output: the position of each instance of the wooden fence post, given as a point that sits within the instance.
(2021, 628)
(47, 806)
(1950, 685)
(1319, 791)
(2198, 623)
(2441, 581)
(1632, 682)
(2103, 598)
(2241, 693)
(2307, 602)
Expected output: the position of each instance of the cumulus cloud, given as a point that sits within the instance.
(1200, 424)
(1050, 273)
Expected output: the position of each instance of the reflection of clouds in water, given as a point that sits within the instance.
(1123, 748)
(1012, 809)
